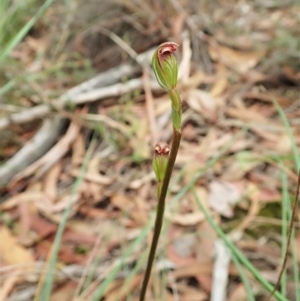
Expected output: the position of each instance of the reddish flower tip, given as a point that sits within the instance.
(165, 65)
(166, 49)
(161, 149)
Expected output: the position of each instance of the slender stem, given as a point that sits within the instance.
(161, 210)
(159, 187)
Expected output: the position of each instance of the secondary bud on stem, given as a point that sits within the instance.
(165, 65)
(160, 160)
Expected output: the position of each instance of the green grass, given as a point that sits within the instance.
(244, 278)
(12, 18)
(284, 228)
(16, 19)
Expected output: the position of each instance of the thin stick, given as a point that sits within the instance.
(161, 210)
(290, 230)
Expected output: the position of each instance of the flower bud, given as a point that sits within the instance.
(165, 65)
(160, 160)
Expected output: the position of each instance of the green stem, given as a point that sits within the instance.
(159, 187)
(161, 210)
(176, 108)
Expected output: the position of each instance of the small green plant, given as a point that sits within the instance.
(165, 67)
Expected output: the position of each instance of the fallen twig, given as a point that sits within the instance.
(86, 92)
(52, 156)
(89, 89)
(38, 145)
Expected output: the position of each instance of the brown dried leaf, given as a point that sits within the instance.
(39, 198)
(189, 133)
(64, 202)
(238, 294)
(41, 226)
(138, 183)
(222, 197)
(93, 177)
(122, 291)
(11, 251)
(96, 191)
(242, 61)
(66, 254)
(127, 205)
(78, 151)
(219, 86)
(253, 210)
(247, 114)
(194, 295)
(221, 83)
(51, 180)
(25, 223)
(195, 268)
(79, 238)
(7, 286)
(188, 219)
(206, 243)
(64, 292)
(92, 212)
(203, 103)
(181, 251)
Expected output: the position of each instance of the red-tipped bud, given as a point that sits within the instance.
(160, 160)
(165, 65)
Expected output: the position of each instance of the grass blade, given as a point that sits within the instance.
(244, 278)
(291, 215)
(284, 229)
(22, 33)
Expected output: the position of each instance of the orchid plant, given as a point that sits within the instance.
(165, 67)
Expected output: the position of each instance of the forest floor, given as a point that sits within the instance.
(80, 114)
